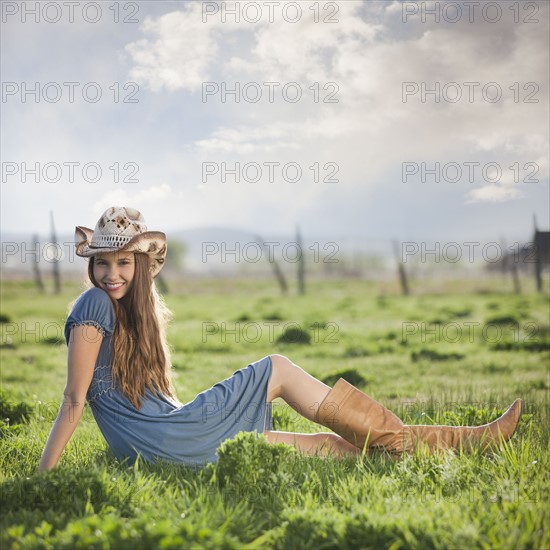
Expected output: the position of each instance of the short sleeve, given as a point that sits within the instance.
(93, 307)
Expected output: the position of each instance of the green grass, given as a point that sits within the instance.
(455, 359)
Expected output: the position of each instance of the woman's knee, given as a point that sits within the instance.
(281, 362)
(331, 440)
(339, 445)
(334, 444)
(347, 447)
(278, 359)
(280, 374)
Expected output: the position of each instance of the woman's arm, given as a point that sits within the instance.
(84, 345)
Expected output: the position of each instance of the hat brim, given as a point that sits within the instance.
(152, 243)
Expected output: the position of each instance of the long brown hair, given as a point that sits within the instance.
(140, 356)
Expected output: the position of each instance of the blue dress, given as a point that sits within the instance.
(164, 428)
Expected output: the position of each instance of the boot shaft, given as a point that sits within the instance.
(363, 421)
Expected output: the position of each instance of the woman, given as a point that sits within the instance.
(119, 361)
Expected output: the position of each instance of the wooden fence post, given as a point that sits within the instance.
(276, 269)
(36, 267)
(400, 269)
(509, 264)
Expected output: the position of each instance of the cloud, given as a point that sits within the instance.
(180, 53)
(493, 193)
(277, 136)
(135, 199)
(368, 61)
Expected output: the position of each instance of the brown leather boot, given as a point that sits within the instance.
(361, 420)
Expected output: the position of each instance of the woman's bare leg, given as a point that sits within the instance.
(320, 444)
(298, 388)
(303, 393)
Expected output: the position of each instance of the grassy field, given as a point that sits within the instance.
(457, 358)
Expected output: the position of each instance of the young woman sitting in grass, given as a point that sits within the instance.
(118, 360)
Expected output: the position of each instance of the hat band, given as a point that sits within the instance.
(109, 241)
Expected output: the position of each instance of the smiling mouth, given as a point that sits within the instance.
(113, 286)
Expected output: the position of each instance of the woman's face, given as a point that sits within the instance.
(114, 272)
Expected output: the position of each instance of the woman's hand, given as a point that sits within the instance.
(84, 344)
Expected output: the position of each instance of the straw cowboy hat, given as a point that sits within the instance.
(122, 229)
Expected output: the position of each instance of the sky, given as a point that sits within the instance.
(378, 120)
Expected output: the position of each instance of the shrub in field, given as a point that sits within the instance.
(502, 320)
(495, 368)
(386, 348)
(314, 528)
(273, 316)
(316, 325)
(454, 313)
(353, 376)
(432, 355)
(536, 338)
(8, 344)
(69, 491)
(532, 385)
(243, 318)
(358, 351)
(449, 313)
(113, 531)
(294, 335)
(329, 528)
(248, 460)
(12, 411)
(513, 345)
(370, 349)
(52, 340)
